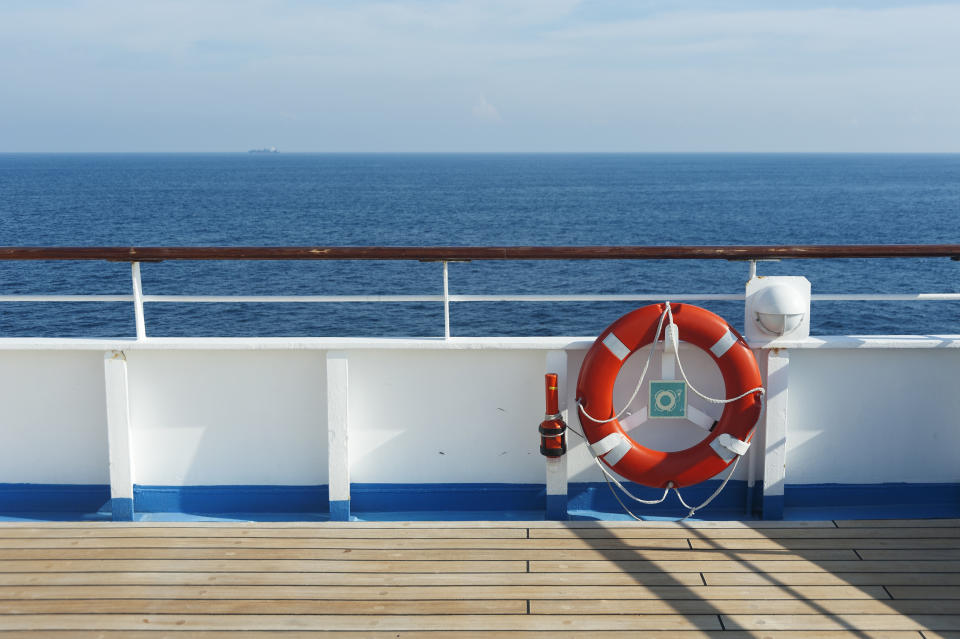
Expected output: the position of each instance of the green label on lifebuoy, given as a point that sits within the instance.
(668, 399)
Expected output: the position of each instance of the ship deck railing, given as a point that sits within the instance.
(445, 255)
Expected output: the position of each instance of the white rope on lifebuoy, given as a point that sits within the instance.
(712, 400)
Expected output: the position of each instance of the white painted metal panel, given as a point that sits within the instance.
(438, 417)
(54, 422)
(220, 411)
(874, 416)
(222, 418)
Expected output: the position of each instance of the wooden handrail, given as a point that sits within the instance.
(465, 253)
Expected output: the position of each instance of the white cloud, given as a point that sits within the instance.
(483, 110)
(567, 73)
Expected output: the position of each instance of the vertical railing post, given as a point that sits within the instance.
(752, 470)
(338, 422)
(138, 300)
(775, 433)
(118, 435)
(446, 302)
(753, 270)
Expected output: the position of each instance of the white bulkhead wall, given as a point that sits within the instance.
(450, 416)
(858, 412)
(220, 417)
(865, 416)
(53, 418)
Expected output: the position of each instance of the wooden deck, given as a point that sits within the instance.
(505, 579)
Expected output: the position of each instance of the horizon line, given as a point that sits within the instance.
(280, 152)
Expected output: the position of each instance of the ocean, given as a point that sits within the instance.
(467, 199)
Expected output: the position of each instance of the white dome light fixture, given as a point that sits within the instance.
(777, 307)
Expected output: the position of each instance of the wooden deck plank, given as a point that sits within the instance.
(584, 530)
(427, 566)
(397, 593)
(257, 565)
(748, 533)
(279, 578)
(263, 607)
(463, 555)
(890, 579)
(851, 543)
(841, 622)
(746, 607)
(677, 543)
(597, 566)
(173, 532)
(358, 623)
(925, 592)
(365, 544)
(740, 564)
(927, 554)
(481, 634)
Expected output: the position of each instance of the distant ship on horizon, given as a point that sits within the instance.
(272, 149)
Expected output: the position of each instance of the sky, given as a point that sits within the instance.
(479, 76)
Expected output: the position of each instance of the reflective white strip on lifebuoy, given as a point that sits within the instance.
(615, 346)
(612, 448)
(723, 344)
(727, 446)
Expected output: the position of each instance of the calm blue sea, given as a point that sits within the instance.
(553, 199)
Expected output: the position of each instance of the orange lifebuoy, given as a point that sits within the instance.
(633, 331)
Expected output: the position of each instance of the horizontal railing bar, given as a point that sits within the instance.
(346, 299)
(284, 299)
(598, 298)
(888, 297)
(454, 253)
(66, 298)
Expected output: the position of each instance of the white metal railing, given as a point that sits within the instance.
(139, 299)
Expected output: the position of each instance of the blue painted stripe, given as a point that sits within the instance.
(222, 499)
(730, 504)
(442, 497)
(480, 501)
(72, 498)
(556, 507)
(773, 507)
(340, 510)
(854, 495)
(122, 508)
